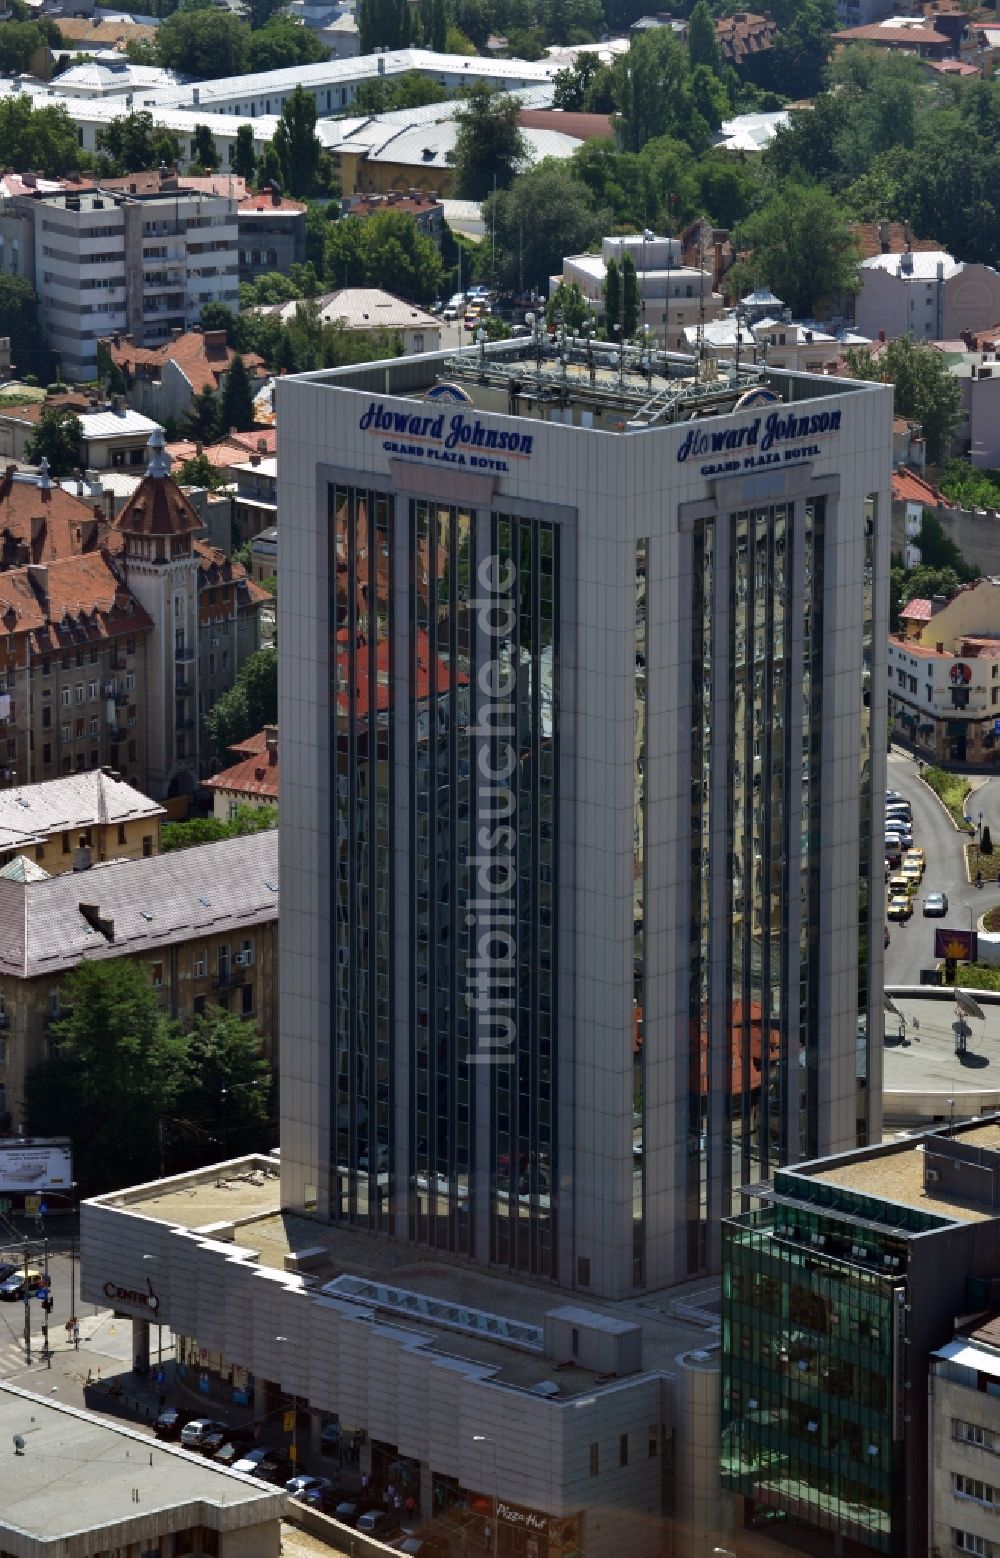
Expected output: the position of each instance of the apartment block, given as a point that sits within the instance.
(138, 262)
(84, 818)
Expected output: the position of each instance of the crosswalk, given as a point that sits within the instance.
(12, 1355)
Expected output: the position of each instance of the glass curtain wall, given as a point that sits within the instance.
(361, 873)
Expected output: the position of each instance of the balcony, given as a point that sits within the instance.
(183, 654)
(184, 724)
(226, 978)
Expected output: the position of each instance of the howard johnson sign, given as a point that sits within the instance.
(774, 439)
(453, 438)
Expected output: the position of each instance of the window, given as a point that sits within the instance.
(55, 1003)
(654, 1442)
(66, 697)
(95, 727)
(247, 953)
(66, 844)
(971, 1487)
(130, 681)
(147, 845)
(200, 1002)
(47, 754)
(121, 833)
(623, 1449)
(157, 976)
(595, 1460)
(47, 717)
(79, 692)
(46, 667)
(65, 731)
(200, 964)
(247, 1000)
(130, 646)
(967, 1542)
(223, 960)
(131, 752)
(92, 689)
(972, 1433)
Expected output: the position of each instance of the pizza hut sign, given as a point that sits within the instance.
(525, 1518)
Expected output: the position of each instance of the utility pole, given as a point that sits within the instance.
(46, 1301)
(27, 1309)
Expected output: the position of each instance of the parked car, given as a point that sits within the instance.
(349, 1512)
(213, 1442)
(916, 853)
(420, 1546)
(8, 1268)
(194, 1434)
(935, 905)
(250, 1462)
(171, 1421)
(378, 1522)
(913, 871)
(307, 1489)
(232, 1452)
(276, 1468)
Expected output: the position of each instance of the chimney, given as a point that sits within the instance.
(881, 336)
(199, 447)
(883, 237)
(38, 578)
(38, 528)
(255, 459)
(271, 743)
(92, 911)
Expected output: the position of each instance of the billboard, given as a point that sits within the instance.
(36, 1165)
(957, 946)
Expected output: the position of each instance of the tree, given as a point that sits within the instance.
(38, 137)
(282, 44)
(244, 159)
(108, 371)
(925, 388)
(652, 90)
(802, 248)
(228, 1083)
(203, 421)
(386, 249)
(986, 841)
(569, 305)
(383, 95)
(489, 147)
(199, 472)
(296, 143)
(795, 65)
(19, 320)
(545, 215)
(938, 550)
(630, 298)
(204, 44)
(209, 830)
(237, 398)
(203, 147)
(703, 45)
(584, 86)
(249, 705)
(133, 143)
(117, 1070)
(20, 44)
(56, 439)
(613, 299)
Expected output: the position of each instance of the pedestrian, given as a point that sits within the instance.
(364, 1482)
(411, 1505)
(397, 1503)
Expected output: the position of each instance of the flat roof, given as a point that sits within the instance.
(633, 386)
(246, 1192)
(78, 1475)
(925, 1060)
(899, 1176)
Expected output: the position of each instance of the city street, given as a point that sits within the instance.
(912, 945)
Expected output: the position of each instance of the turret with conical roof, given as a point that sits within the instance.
(158, 521)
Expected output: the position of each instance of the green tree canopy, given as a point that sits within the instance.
(20, 43)
(132, 143)
(228, 1083)
(244, 158)
(569, 305)
(203, 147)
(613, 300)
(117, 1069)
(387, 94)
(801, 247)
(209, 830)
(630, 298)
(489, 147)
(249, 705)
(284, 43)
(652, 91)
(38, 137)
(386, 249)
(703, 46)
(56, 439)
(925, 388)
(237, 398)
(544, 215)
(19, 320)
(586, 86)
(203, 422)
(204, 43)
(296, 143)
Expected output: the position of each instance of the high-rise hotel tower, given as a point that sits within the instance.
(582, 719)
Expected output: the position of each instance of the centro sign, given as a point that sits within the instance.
(762, 435)
(135, 1296)
(454, 442)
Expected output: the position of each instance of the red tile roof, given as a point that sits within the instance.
(888, 238)
(917, 611)
(39, 524)
(216, 569)
(256, 775)
(265, 201)
(898, 37)
(908, 488)
(158, 507)
(251, 746)
(231, 450)
(743, 34)
(203, 356)
(77, 600)
(583, 127)
(954, 68)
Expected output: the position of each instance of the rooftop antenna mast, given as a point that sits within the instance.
(701, 302)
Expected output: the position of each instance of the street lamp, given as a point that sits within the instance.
(159, 1323)
(482, 1439)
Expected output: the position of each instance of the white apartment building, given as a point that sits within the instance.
(944, 677)
(672, 296)
(964, 1441)
(106, 260)
(927, 294)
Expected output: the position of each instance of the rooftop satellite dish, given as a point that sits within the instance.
(19, 1445)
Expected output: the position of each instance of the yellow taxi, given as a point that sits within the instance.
(900, 907)
(913, 871)
(898, 883)
(916, 853)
